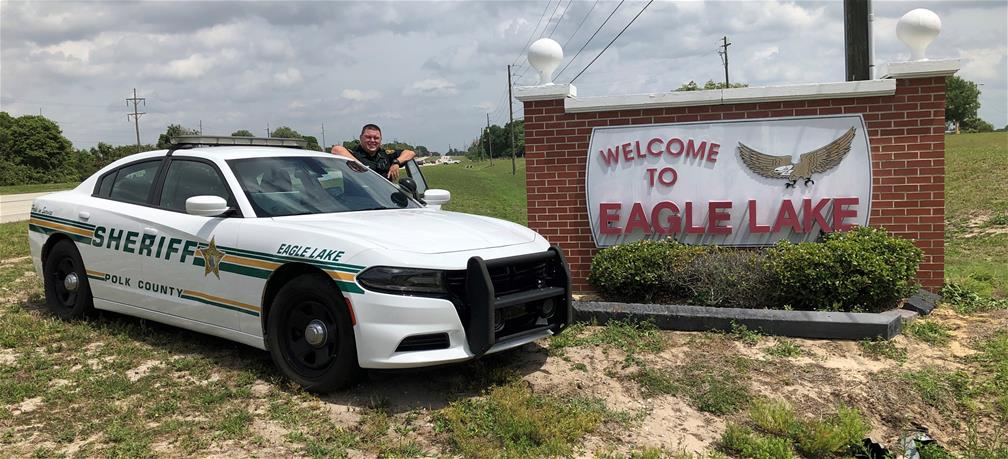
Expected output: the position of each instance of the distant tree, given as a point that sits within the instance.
(962, 100)
(284, 132)
(710, 84)
(242, 133)
(312, 143)
(500, 140)
(976, 124)
(174, 130)
(33, 150)
(351, 144)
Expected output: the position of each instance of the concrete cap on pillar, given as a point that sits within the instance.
(917, 29)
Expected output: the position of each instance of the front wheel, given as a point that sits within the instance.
(310, 335)
(67, 291)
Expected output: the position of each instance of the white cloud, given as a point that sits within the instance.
(431, 87)
(360, 95)
(191, 67)
(982, 63)
(289, 77)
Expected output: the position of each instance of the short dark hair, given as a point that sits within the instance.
(373, 127)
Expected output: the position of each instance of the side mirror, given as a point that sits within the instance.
(436, 198)
(408, 185)
(206, 206)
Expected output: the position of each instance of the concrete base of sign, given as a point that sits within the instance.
(798, 324)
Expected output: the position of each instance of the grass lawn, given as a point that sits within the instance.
(976, 211)
(482, 188)
(37, 188)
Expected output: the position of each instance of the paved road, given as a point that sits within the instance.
(17, 207)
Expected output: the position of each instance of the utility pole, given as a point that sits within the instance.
(136, 114)
(489, 144)
(724, 58)
(200, 127)
(267, 129)
(323, 137)
(511, 123)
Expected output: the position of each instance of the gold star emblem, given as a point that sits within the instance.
(211, 258)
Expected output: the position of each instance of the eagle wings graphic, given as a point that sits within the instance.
(814, 162)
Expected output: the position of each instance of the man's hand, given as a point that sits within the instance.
(393, 172)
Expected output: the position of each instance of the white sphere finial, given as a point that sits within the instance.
(917, 29)
(545, 55)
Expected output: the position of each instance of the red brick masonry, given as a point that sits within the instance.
(907, 137)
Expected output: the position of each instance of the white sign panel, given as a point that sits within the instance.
(747, 183)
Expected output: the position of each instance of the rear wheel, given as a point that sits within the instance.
(310, 335)
(67, 291)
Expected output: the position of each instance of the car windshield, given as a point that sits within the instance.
(281, 186)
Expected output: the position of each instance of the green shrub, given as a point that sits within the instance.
(864, 269)
(729, 278)
(642, 271)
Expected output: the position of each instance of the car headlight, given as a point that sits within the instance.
(403, 280)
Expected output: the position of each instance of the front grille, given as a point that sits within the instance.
(424, 343)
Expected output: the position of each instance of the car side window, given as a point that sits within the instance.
(133, 182)
(186, 179)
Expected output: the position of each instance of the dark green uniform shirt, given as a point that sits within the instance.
(379, 162)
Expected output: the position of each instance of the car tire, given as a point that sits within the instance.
(310, 335)
(67, 291)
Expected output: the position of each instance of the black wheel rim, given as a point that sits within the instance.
(310, 360)
(66, 298)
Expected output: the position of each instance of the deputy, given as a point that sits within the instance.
(369, 153)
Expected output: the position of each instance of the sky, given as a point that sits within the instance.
(426, 72)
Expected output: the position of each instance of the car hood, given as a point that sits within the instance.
(424, 231)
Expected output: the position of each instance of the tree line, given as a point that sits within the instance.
(495, 142)
(34, 150)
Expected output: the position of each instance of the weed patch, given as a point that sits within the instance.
(784, 349)
(929, 331)
(966, 300)
(743, 334)
(628, 336)
(780, 432)
(879, 348)
(511, 421)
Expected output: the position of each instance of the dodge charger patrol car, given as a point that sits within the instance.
(313, 257)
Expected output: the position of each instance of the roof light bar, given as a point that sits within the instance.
(215, 140)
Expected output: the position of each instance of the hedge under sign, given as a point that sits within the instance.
(746, 183)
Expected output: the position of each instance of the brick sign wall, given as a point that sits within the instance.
(906, 131)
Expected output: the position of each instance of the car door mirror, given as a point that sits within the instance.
(436, 198)
(409, 187)
(206, 206)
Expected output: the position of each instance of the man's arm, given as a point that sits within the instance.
(341, 151)
(405, 155)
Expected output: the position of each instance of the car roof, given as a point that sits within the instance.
(239, 152)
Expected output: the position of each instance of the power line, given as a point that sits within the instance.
(578, 29)
(589, 40)
(613, 40)
(527, 42)
(551, 18)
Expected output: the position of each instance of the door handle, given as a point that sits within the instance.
(148, 230)
(84, 215)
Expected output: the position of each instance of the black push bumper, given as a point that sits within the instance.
(484, 299)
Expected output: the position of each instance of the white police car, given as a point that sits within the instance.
(311, 256)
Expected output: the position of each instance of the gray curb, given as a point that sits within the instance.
(798, 324)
